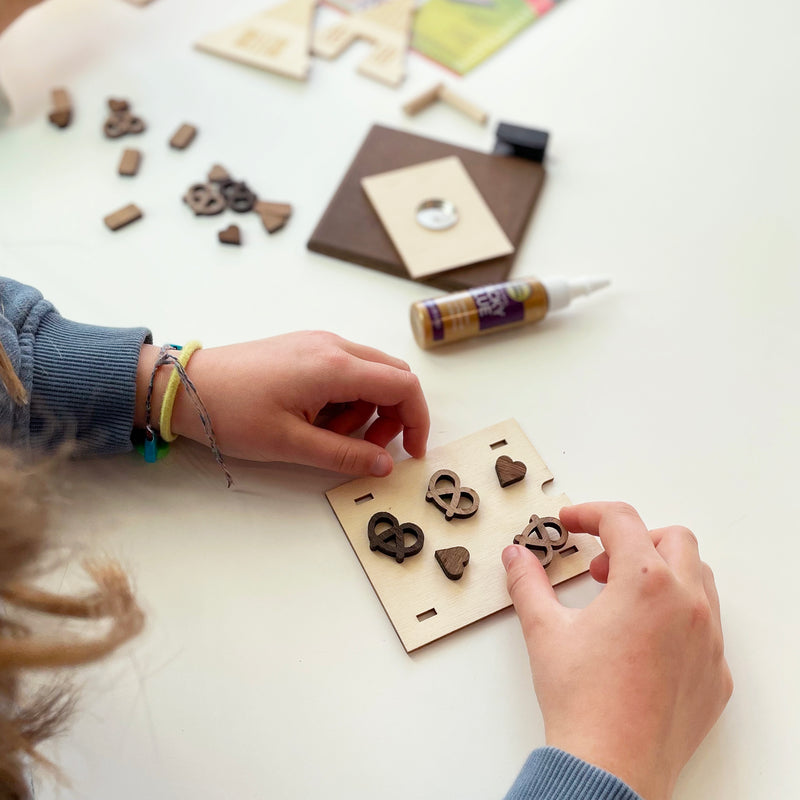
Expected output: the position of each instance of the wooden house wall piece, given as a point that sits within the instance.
(386, 26)
(277, 40)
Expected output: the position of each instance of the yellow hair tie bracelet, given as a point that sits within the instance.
(168, 402)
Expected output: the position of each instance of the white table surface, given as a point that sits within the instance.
(268, 668)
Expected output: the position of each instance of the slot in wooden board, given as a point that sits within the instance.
(422, 604)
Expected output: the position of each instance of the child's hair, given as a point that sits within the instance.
(28, 716)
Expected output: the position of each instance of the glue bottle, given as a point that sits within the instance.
(484, 309)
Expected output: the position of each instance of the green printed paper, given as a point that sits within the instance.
(459, 35)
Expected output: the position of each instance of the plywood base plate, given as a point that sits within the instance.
(422, 604)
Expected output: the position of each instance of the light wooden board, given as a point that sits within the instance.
(387, 26)
(410, 591)
(278, 40)
(396, 196)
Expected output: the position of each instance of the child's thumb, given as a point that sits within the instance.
(529, 586)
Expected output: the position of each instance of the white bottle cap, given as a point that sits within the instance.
(562, 291)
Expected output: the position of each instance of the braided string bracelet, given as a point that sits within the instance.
(166, 357)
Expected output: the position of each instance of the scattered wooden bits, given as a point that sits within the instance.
(129, 163)
(441, 92)
(273, 215)
(205, 199)
(126, 215)
(231, 235)
(218, 174)
(61, 115)
(121, 120)
(183, 137)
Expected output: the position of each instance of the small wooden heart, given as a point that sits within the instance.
(230, 235)
(509, 471)
(453, 560)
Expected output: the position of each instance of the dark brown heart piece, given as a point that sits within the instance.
(509, 471)
(230, 235)
(453, 560)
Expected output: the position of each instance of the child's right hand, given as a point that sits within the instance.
(635, 681)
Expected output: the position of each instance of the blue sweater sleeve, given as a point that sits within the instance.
(80, 379)
(552, 774)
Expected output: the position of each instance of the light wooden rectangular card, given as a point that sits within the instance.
(398, 195)
(421, 602)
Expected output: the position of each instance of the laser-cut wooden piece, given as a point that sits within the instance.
(537, 537)
(238, 195)
(277, 40)
(391, 540)
(418, 588)
(61, 115)
(273, 215)
(218, 174)
(230, 235)
(205, 199)
(351, 230)
(129, 162)
(453, 561)
(446, 95)
(509, 471)
(120, 123)
(183, 137)
(124, 216)
(446, 483)
(387, 26)
(398, 194)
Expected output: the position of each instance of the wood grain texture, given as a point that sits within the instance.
(453, 561)
(351, 230)
(411, 593)
(509, 471)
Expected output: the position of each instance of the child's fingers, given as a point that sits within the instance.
(397, 391)
(318, 447)
(371, 354)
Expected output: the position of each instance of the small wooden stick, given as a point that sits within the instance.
(441, 92)
(464, 106)
(421, 102)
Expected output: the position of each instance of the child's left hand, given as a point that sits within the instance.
(297, 398)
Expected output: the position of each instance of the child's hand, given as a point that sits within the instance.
(297, 398)
(635, 681)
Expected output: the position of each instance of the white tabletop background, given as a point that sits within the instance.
(268, 668)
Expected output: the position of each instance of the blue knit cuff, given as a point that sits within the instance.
(552, 774)
(84, 385)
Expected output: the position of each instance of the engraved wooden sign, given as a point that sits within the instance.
(422, 602)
